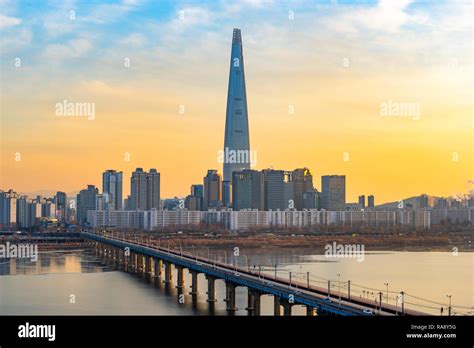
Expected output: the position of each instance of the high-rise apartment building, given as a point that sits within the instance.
(112, 183)
(86, 200)
(153, 190)
(138, 189)
(371, 202)
(362, 202)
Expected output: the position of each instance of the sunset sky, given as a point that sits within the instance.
(334, 62)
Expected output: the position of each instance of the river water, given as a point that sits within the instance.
(78, 282)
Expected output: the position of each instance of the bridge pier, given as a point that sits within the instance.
(194, 282)
(211, 288)
(148, 266)
(115, 254)
(135, 262)
(287, 308)
(180, 271)
(253, 302)
(158, 267)
(276, 306)
(168, 273)
(230, 297)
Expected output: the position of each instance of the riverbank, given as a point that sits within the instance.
(407, 242)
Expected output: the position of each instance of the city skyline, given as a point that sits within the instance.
(292, 75)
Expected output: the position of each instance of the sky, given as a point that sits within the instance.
(379, 91)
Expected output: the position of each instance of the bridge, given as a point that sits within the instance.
(153, 260)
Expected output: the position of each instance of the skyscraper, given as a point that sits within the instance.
(212, 190)
(362, 202)
(153, 190)
(112, 184)
(236, 140)
(8, 200)
(302, 183)
(195, 200)
(138, 189)
(247, 190)
(61, 205)
(274, 183)
(86, 201)
(333, 195)
(371, 201)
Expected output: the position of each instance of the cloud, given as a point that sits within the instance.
(6, 21)
(72, 49)
(387, 16)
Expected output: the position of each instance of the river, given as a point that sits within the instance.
(78, 282)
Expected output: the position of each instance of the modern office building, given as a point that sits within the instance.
(195, 200)
(274, 189)
(212, 190)
(86, 200)
(236, 139)
(333, 192)
(302, 183)
(248, 189)
(112, 183)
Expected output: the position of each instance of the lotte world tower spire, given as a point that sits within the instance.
(236, 142)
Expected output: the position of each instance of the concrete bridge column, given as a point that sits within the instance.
(287, 308)
(180, 271)
(211, 288)
(194, 282)
(135, 262)
(256, 303)
(276, 306)
(230, 296)
(158, 267)
(115, 255)
(309, 311)
(131, 261)
(253, 302)
(168, 273)
(249, 301)
(147, 264)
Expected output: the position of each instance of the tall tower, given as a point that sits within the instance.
(236, 142)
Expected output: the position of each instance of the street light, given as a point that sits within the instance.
(386, 284)
(449, 308)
